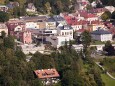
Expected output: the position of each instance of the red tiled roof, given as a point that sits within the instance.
(46, 73)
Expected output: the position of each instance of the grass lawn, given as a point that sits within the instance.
(107, 80)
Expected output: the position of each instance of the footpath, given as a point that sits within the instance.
(104, 70)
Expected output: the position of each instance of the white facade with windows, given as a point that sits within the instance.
(65, 31)
(77, 27)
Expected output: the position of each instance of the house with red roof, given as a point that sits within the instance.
(48, 76)
(88, 16)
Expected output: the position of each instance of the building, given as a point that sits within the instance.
(17, 28)
(15, 25)
(3, 8)
(65, 30)
(50, 23)
(64, 34)
(4, 28)
(35, 22)
(41, 24)
(25, 37)
(82, 4)
(32, 25)
(48, 76)
(58, 41)
(60, 19)
(47, 32)
(101, 35)
(30, 8)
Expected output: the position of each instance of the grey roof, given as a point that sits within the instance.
(58, 18)
(100, 32)
(65, 27)
(51, 19)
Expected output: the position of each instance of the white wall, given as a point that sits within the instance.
(66, 32)
(76, 27)
(32, 25)
(57, 41)
(106, 37)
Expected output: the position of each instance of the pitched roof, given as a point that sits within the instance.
(46, 73)
(58, 18)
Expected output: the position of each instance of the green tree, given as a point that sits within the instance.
(106, 15)
(3, 34)
(86, 40)
(109, 48)
(4, 16)
(9, 42)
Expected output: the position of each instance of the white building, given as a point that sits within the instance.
(64, 33)
(31, 8)
(32, 25)
(65, 30)
(101, 35)
(57, 41)
(77, 27)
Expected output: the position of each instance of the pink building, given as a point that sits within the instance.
(25, 37)
(17, 28)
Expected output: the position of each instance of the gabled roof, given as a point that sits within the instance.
(46, 73)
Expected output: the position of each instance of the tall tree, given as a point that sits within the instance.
(86, 40)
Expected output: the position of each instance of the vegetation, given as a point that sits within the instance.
(109, 65)
(85, 40)
(107, 80)
(109, 49)
(16, 71)
(4, 16)
(106, 15)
